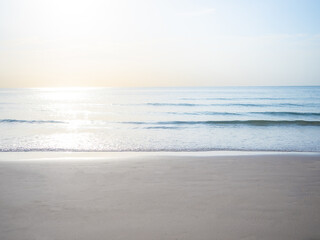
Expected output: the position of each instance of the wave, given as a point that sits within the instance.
(228, 104)
(206, 113)
(176, 104)
(234, 122)
(163, 127)
(239, 98)
(288, 113)
(28, 121)
(305, 114)
(206, 105)
(163, 149)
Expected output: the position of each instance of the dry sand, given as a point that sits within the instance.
(154, 196)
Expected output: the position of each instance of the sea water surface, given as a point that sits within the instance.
(160, 119)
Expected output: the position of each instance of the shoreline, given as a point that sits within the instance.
(128, 154)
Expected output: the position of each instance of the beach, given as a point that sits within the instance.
(240, 195)
(159, 120)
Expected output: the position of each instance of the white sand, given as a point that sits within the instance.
(153, 196)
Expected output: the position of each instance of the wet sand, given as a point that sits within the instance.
(153, 196)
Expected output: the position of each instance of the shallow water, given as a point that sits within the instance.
(160, 119)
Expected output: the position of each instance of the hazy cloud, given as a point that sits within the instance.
(202, 12)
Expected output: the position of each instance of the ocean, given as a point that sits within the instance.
(160, 119)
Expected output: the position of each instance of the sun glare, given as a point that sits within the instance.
(74, 19)
(65, 95)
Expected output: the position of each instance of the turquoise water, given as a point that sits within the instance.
(160, 119)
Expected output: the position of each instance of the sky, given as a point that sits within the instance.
(150, 43)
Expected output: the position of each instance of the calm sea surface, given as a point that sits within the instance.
(160, 119)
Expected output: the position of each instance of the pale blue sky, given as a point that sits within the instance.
(66, 43)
